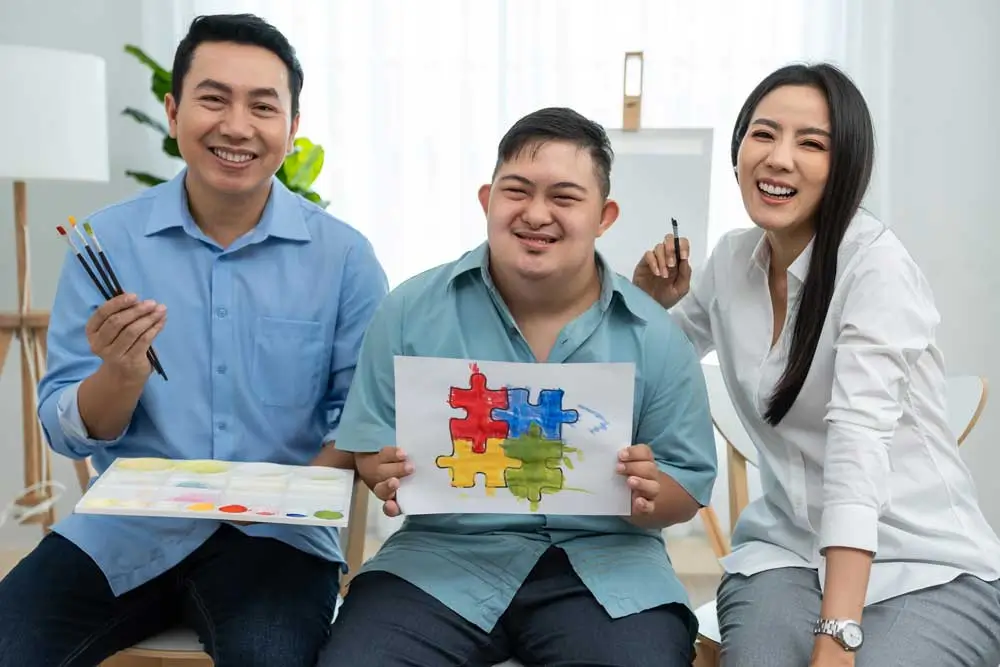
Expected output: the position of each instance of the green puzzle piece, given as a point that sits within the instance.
(540, 472)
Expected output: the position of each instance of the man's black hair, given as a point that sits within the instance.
(559, 124)
(240, 29)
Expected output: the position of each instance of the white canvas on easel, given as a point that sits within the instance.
(658, 174)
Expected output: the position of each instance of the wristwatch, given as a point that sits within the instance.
(848, 633)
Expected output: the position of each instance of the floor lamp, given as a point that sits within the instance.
(53, 126)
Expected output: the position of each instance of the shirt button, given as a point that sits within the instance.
(222, 426)
(221, 370)
(221, 312)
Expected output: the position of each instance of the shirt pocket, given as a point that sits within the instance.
(287, 361)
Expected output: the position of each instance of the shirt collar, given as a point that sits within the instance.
(282, 216)
(477, 261)
(799, 269)
(863, 230)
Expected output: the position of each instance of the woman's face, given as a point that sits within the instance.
(784, 159)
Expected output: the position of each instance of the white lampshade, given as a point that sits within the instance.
(54, 123)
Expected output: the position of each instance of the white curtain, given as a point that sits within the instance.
(409, 98)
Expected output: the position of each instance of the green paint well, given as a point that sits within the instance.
(328, 514)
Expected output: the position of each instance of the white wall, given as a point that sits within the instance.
(59, 24)
(943, 188)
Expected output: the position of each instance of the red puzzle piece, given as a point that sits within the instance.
(478, 402)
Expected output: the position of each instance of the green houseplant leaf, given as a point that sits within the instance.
(162, 78)
(170, 147)
(143, 118)
(303, 164)
(144, 178)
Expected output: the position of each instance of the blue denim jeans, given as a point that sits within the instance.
(253, 601)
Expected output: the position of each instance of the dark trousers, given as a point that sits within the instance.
(253, 601)
(553, 620)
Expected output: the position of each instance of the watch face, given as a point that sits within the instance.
(852, 635)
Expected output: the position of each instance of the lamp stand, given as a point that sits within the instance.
(30, 328)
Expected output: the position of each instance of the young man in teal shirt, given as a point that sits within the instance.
(468, 589)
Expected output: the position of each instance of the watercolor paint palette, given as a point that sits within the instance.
(222, 490)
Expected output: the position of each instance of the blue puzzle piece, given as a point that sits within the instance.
(548, 413)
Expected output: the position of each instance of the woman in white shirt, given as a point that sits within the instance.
(825, 333)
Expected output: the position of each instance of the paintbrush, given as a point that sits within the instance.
(677, 242)
(155, 360)
(106, 289)
(93, 258)
(104, 258)
(90, 272)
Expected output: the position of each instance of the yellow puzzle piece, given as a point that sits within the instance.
(465, 465)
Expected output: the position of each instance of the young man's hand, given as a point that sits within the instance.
(637, 464)
(382, 471)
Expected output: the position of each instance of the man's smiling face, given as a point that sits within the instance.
(233, 122)
(545, 210)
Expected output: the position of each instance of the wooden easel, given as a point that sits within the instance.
(632, 91)
(30, 327)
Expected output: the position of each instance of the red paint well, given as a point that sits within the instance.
(233, 509)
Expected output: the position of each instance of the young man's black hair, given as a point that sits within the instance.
(560, 124)
(239, 29)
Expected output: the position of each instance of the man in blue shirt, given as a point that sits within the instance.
(255, 301)
(468, 589)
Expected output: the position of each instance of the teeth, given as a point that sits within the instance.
(233, 157)
(775, 190)
(544, 239)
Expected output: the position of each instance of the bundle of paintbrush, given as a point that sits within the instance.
(107, 283)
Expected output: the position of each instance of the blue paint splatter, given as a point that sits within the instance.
(602, 424)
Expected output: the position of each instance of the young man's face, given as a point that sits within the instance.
(544, 211)
(233, 123)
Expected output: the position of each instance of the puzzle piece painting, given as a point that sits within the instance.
(483, 439)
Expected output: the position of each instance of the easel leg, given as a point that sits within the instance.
(29, 420)
(707, 654)
(38, 458)
(5, 339)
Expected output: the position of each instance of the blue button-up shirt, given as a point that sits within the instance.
(260, 347)
(474, 563)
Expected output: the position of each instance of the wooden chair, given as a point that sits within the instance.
(180, 647)
(967, 397)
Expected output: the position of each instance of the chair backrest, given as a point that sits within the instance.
(352, 538)
(724, 415)
(967, 396)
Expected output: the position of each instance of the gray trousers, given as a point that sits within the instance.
(766, 621)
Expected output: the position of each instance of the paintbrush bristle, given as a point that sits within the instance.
(72, 221)
(61, 230)
(87, 228)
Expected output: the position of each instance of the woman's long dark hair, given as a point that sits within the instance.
(852, 155)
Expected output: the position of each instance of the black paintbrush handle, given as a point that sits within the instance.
(104, 289)
(93, 277)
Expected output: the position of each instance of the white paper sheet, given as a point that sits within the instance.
(497, 437)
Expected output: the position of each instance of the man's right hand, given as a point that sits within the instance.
(382, 471)
(662, 274)
(121, 331)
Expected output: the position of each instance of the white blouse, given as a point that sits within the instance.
(865, 457)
